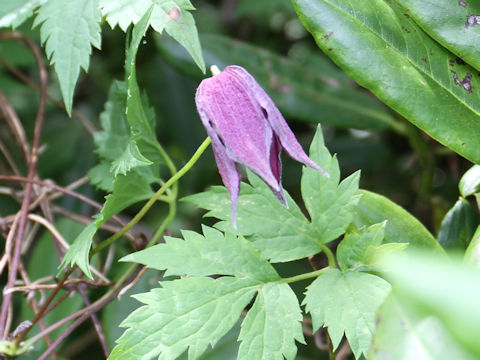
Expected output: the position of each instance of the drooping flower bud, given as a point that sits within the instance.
(246, 127)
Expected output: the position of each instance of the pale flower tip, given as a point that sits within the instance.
(215, 70)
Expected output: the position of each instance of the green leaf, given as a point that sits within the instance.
(69, 30)
(458, 226)
(470, 182)
(409, 71)
(110, 143)
(78, 252)
(401, 334)
(448, 290)
(272, 325)
(187, 313)
(279, 233)
(101, 177)
(353, 249)
(138, 113)
(283, 234)
(130, 159)
(212, 253)
(14, 12)
(331, 205)
(127, 190)
(401, 227)
(346, 302)
(472, 254)
(447, 22)
(171, 15)
(310, 92)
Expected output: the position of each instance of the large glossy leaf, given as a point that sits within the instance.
(401, 227)
(452, 23)
(319, 93)
(386, 52)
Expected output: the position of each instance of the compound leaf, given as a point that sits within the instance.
(212, 253)
(346, 303)
(191, 313)
(272, 325)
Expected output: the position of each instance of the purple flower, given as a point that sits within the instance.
(246, 127)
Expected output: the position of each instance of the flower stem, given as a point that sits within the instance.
(155, 197)
(330, 256)
(305, 276)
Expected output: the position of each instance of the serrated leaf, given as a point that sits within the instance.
(458, 226)
(331, 205)
(130, 159)
(187, 313)
(69, 30)
(110, 142)
(14, 12)
(212, 253)
(353, 249)
(101, 177)
(284, 234)
(272, 325)
(410, 72)
(171, 15)
(346, 303)
(450, 23)
(470, 182)
(78, 252)
(313, 92)
(279, 233)
(401, 227)
(402, 335)
(139, 116)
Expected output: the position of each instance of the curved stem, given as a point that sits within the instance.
(305, 276)
(331, 258)
(154, 198)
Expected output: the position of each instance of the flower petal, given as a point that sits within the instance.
(275, 119)
(226, 166)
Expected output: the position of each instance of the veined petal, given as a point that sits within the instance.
(276, 166)
(226, 166)
(238, 120)
(280, 127)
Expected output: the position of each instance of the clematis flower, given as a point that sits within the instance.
(246, 127)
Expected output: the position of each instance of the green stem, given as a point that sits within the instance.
(172, 210)
(305, 276)
(154, 198)
(330, 256)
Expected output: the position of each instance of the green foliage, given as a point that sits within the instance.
(187, 313)
(14, 12)
(285, 234)
(354, 248)
(346, 302)
(470, 182)
(402, 334)
(171, 15)
(401, 227)
(447, 22)
(196, 311)
(272, 325)
(458, 226)
(448, 290)
(69, 30)
(410, 72)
